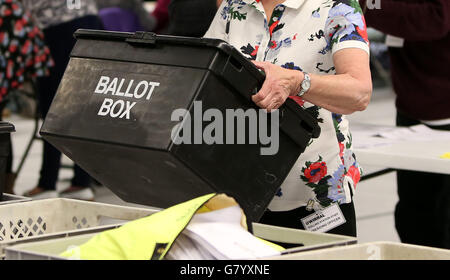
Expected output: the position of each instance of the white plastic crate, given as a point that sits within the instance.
(51, 249)
(309, 240)
(9, 198)
(373, 251)
(53, 218)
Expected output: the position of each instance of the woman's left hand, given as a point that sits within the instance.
(280, 83)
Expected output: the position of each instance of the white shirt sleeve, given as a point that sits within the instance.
(346, 28)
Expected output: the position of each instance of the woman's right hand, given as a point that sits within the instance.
(280, 83)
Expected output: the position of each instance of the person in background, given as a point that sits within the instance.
(191, 18)
(147, 20)
(59, 21)
(419, 36)
(155, 21)
(161, 12)
(23, 56)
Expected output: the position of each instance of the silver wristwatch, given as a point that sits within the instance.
(306, 85)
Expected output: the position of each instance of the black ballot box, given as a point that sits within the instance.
(5, 143)
(142, 113)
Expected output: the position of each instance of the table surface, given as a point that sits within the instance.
(417, 156)
(423, 156)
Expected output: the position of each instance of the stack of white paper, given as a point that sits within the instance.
(368, 136)
(218, 235)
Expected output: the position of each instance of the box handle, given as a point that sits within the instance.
(232, 72)
(307, 122)
(142, 38)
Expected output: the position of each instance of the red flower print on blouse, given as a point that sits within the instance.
(273, 44)
(316, 171)
(272, 27)
(255, 52)
(363, 32)
(341, 151)
(353, 173)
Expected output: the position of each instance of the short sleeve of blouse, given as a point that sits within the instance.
(217, 29)
(346, 27)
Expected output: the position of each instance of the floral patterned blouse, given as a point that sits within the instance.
(303, 35)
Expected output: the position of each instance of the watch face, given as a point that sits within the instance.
(306, 84)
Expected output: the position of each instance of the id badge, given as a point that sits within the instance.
(324, 220)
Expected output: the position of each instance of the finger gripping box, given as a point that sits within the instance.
(160, 120)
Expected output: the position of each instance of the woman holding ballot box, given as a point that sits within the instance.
(317, 53)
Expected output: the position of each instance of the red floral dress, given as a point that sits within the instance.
(23, 52)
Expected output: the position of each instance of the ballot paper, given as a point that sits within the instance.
(219, 235)
(368, 136)
(416, 133)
